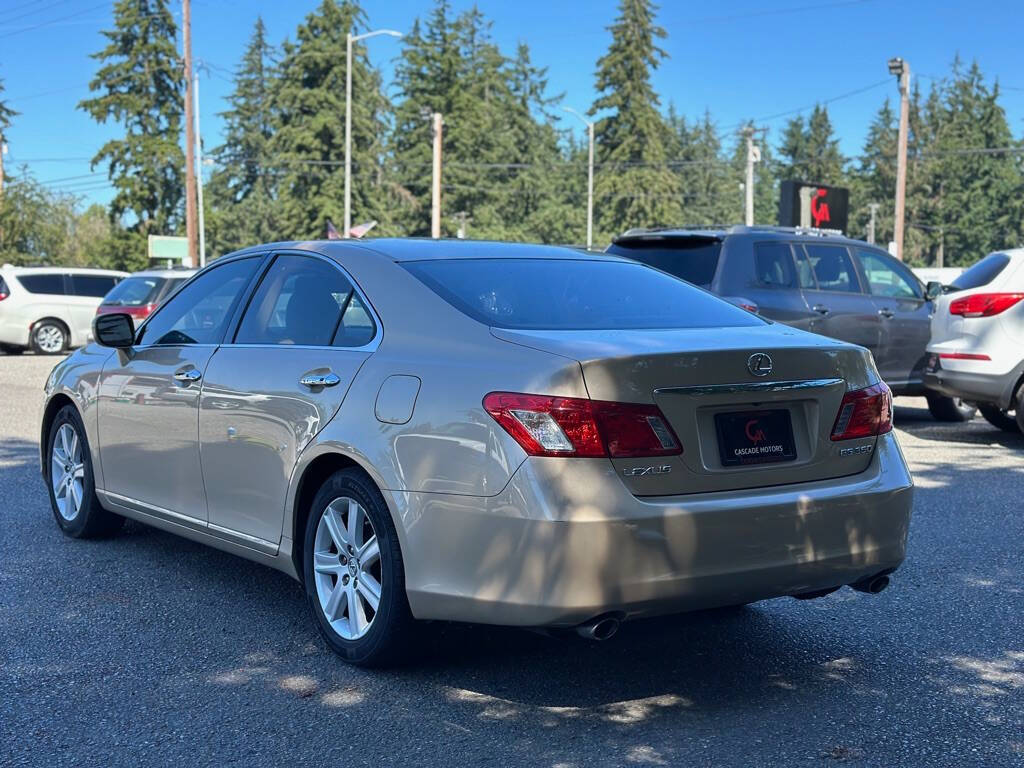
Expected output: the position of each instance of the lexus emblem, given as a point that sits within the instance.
(759, 364)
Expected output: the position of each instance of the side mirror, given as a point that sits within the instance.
(932, 290)
(114, 330)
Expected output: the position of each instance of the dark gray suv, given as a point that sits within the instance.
(817, 281)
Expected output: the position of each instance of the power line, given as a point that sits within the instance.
(54, 21)
(32, 12)
(841, 96)
(777, 12)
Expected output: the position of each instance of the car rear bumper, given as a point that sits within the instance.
(975, 387)
(565, 542)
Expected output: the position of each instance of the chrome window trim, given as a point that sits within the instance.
(749, 386)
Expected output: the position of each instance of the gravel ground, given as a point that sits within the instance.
(149, 649)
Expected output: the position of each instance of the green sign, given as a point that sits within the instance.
(162, 248)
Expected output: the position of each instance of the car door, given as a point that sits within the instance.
(83, 295)
(905, 315)
(831, 288)
(149, 396)
(775, 288)
(268, 392)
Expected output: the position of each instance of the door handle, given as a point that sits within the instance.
(886, 312)
(821, 309)
(190, 376)
(319, 379)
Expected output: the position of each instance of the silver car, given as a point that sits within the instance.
(505, 434)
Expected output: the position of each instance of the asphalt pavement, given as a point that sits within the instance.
(147, 649)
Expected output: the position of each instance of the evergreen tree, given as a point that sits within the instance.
(766, 191)
(241, 190)
(635, 187)
(6, 114)
(140, 87)
(874, 178)
(711, 193)
(308, 143)
(810, 151)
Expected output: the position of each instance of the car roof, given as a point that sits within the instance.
(19, 270)
(169, 273)
(401, 249)
(721, 233)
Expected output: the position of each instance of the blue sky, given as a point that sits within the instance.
(736, 58)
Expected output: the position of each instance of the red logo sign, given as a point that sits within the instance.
(754, 435)
(819, 208)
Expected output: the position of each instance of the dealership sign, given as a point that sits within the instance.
(813, 205)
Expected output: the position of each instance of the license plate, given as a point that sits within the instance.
(755, 437)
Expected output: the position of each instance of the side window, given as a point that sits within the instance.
(833, 268)
(884, 279)
(357, 327)
(52, 284)
(301, 300)
(199, 313)
(773, 263)
(96, 286)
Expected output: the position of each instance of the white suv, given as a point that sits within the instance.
(976, 350)
(50, 309)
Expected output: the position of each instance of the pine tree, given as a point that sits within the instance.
(810, 151)
(711, 193)
(241, 191)
(874, 178)
(140, 87)
(308, 144)
(6, 114)
(635, 187)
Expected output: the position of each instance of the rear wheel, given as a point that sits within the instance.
(354, 574)
(1020, 408)
(953, 409)
(1001, 419)
(72, 488)
(49, 337)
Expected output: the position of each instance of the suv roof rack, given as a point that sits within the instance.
(728, 230)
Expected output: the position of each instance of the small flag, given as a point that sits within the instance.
(332, 233)
(361, 229)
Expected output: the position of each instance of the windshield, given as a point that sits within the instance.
(982, 273)
(134, 292)
(694, 259)
(569, 294)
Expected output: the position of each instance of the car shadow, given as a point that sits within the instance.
(920, 423)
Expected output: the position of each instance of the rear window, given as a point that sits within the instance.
(51, 284)
(982, 273)
(694, 259)
(134, 292)
(569, 294)
(3, 287)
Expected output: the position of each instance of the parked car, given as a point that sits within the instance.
(977, 345)
(50, 309)
(141, 292)
(812, 280)
(506, 434)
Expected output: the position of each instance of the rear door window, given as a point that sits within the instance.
(694, 259)
(982, 273)
(833, 268)
(92, 285)
(774, 265)
(52, 284)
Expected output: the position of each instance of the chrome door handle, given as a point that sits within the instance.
(319, 379)
(821, 309)
(190, 376)
(886, 312)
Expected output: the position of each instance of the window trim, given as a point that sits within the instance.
(271, 256)
(853, 262)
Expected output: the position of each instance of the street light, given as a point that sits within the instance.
(349, 39)
(590, 175)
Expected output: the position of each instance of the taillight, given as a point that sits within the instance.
(571, 426)
(984, 304)
(139, 313)
(864, 413)
(3, 295)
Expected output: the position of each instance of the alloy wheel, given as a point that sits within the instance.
(50, 339)
(67, 471)
(347, 568)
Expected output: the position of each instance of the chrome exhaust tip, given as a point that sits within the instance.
(601, 628)
(872, 585)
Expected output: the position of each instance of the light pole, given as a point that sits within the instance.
(590, 175)
(349, 39)
(901, 69)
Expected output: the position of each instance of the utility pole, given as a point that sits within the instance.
(901, 69)
(590, 175)
(435, 218)
(871, 225)
(753, 156)
(349, 40)
(940, 256)
(190, 138)
(199, 175)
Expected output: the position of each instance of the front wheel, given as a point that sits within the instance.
(1001, 419)
(49, 337)
(951, 409)
(354, 574)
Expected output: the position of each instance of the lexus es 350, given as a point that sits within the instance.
(504, 434)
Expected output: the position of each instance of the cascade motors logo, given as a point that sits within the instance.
(754, 433)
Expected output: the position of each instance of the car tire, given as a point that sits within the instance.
(11, 349)
(73, 498)
(337, 552)
(49, 337)
(950, 409)
(1000, 419)
(1020, 408)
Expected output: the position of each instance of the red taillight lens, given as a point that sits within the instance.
(3, 295)
(984, 304)
(864, 413)
(571, 426)
(139, 313)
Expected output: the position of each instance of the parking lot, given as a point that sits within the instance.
(149, 649)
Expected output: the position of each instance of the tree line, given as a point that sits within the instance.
(509, 171)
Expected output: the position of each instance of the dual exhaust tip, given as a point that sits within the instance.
(872, 585)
